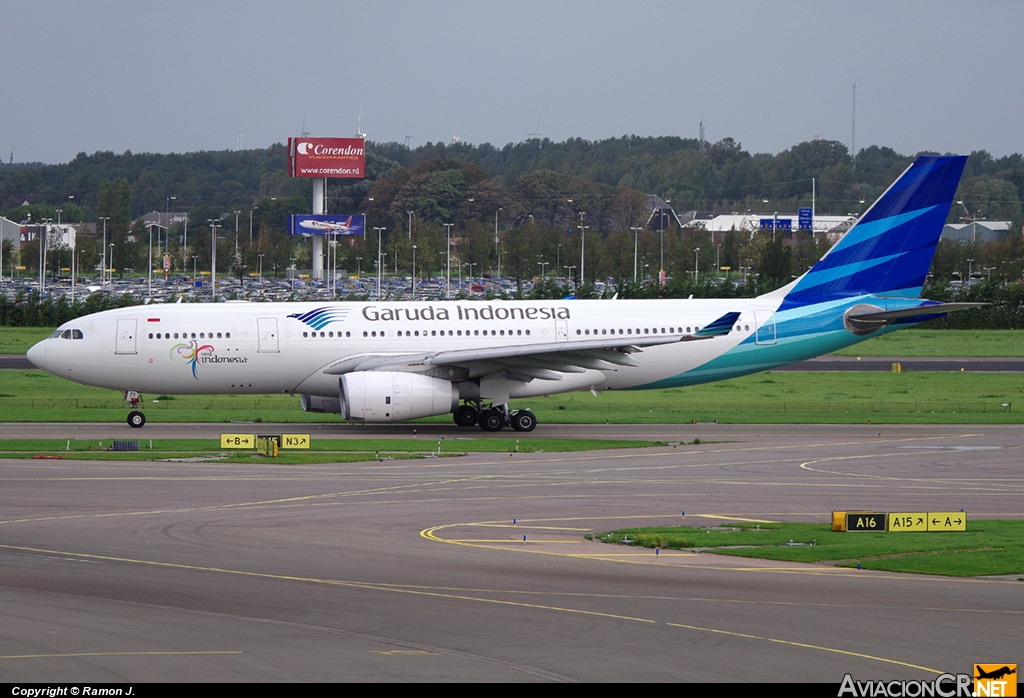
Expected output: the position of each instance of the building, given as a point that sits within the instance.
(976, 231)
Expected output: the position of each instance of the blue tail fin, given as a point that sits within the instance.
(890, 249)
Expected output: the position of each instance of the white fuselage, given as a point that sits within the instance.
(242, 347)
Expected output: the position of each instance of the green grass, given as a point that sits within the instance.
(320, 451)
(18, 340)
(764, 398)
(985, 548)
(954, 343)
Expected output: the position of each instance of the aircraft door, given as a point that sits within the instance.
(126, 329)
(561, 330)
(266, 329)
(765, 322)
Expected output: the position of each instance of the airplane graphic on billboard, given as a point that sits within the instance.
(326, 225)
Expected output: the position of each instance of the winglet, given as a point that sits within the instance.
(719, 327)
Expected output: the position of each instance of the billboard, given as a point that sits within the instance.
(806, 222)
(776, 224)
(326, 224)
(327, 157)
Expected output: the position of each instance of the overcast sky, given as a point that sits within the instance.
(184, 76)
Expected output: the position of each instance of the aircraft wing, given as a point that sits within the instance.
(545, 361)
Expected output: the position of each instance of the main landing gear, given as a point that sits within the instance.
(135, 418)
(494, 418)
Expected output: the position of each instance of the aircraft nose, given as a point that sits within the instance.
(37, 355)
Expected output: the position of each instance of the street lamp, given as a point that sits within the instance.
(414, 272)
(250, 223)
(583, 241)
(636, 238)
(380, 265)
(213, 258)
(497, 247)
(103, 250)
(110, 277)
(570, 267)
(149, 276)
(696, 259)
(448, 273)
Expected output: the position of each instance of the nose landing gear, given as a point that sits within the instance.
(135, 418)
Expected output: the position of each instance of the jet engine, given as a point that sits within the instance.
(381, 396)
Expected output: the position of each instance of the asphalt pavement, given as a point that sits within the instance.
(477, 568)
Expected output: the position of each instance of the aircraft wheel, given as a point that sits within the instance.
(136, 419)
(523, 420)
(492, 420)
(466, 415)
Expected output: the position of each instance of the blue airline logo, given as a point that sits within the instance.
(319, 318)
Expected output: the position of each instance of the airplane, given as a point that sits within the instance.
(328, 226)
(994, 674)
(384, 361)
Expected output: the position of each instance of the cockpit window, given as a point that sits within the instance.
(66, 334)
(56, 333)
(77, 334)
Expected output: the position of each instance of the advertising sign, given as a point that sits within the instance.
(804, 215)
(327, 157)
(326, 224)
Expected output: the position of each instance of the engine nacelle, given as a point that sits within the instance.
(380, 396)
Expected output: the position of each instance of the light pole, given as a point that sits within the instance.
(448, 273)
(261, 271)
(542, 269)
(236, 232)
(497, 247)
(250, 223)
(696, 259)
(359, 269)
(213, 259)
(167, 220)
(103, 251)
(414, 272)
(110, 278)
(661, 270)
(969, 263)
(194, 262)
(410, 224)
(380, 265)
(149, 276)
(636, 239)
(583, 242)
(570, 267)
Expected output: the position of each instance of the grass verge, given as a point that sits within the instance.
(321, 450)
(764, 398)
(941, 343)
(985, 548)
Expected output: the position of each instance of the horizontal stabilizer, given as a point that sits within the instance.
(917, 311)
